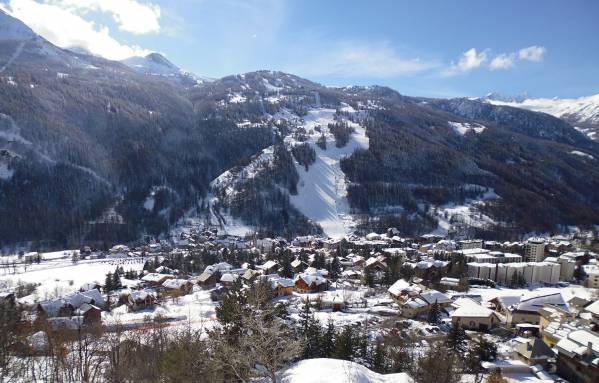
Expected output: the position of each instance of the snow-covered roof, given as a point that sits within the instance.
(175, 283)
(228, 277)
(142, 295)
(535, 303)
(283, 282)
(578, 342)
(309, 279)
(432, 296)
(593, 308)
(401, 285)
(267, 265)
(155, 277)
(467, 308)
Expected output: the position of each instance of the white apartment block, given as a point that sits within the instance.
(534, 250)
(503, 273)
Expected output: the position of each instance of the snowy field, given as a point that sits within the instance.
(195, 310)
(322, 190)
(59, 276)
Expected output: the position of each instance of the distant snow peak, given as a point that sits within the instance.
(581, 110)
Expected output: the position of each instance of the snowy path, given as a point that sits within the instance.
(322, 190)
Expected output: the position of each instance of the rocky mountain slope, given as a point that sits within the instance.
(96, 150)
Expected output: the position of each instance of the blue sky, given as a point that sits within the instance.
(425, 48)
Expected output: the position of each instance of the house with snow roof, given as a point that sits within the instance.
(141, 299)
(471, 315)
(310, 283)
(177, 287)
(578, 357)
(156, 279)
(282, 286)
(528, 309)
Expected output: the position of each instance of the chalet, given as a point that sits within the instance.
(403, 289)
(177, 287)
(578, 357)
(282, 286)
(527, 310)
(269, 267)
(228, 279)
(534, 352)
(55, 308)
(333, 302)
(593, 309)
(91, 314)
(249, 276)
(141, 299)
(207, 280)
(414, 305)
(155, 279)
(310, 283)
(470, 315)
(376, 264)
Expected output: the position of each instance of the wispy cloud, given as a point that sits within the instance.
(534, 53)
(360, 59)
(62, 26)
(503, 61)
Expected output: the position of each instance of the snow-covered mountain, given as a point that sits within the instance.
(155, 64)
(581, 112)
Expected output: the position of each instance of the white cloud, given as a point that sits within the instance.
(130, 15)
(352, 59)
(471, 59)
(67, 29)
(534, 53)
(503, 61)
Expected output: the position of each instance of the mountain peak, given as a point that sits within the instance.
(159, 59)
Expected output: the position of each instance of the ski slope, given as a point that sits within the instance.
(322, 190)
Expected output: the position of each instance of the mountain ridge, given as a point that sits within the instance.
(102, 153)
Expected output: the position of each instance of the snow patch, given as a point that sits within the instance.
(582, 154)
(462, 128)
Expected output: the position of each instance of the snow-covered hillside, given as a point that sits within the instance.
(583, 110)
(336, 371)
(322, 190)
